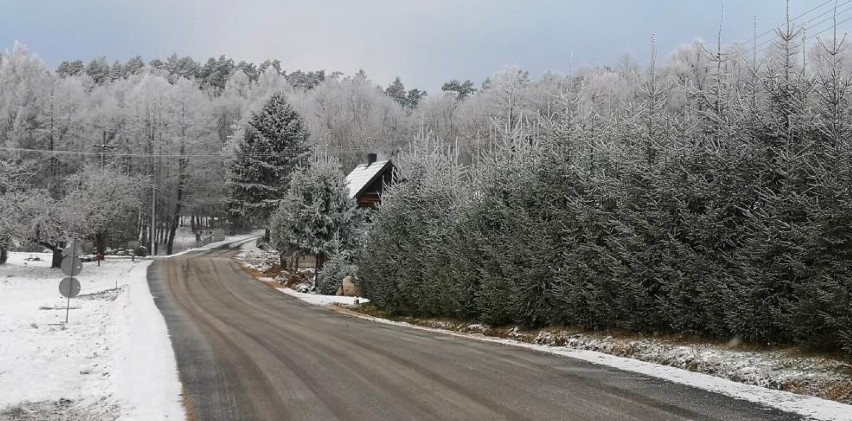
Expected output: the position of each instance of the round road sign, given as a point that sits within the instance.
(69, 287)
(71, 266)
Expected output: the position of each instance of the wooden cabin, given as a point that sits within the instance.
(366, 181)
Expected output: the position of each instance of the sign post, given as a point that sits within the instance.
(71, 267)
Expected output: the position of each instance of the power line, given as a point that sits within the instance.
(171, 155)
(114, 154)
(839, 13)
(763, 44)
(830, 27)
(793, 20)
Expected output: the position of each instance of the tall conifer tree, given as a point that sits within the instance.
(274, 142)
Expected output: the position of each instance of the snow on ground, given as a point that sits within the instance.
(211, 246)
(252, 256)
(777, 369)
(323, 300)
(112, 360)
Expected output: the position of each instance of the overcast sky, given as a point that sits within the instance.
(425, 42)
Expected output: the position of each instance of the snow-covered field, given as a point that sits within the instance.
(113, 360)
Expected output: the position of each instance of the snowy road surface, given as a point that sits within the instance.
(246, 351)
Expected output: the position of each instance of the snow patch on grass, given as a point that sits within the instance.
(812, 376)
(256, 259)
(324, 300)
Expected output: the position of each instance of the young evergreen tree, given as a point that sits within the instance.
(396, 91)
(409, 261)
(339, 266)
(273, 145)
(316, 215)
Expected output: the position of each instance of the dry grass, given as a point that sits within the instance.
(252, 271)
(371, 310)
(187, 405)
(273, 271)
(295, 279)
(840, 392)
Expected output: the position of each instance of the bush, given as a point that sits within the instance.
(330, 277)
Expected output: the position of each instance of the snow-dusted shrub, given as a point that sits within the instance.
(406, 263)
(316, 216)
(330, 277)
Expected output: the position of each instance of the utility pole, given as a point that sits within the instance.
(153, 220)
(103, 151)
(104, 146)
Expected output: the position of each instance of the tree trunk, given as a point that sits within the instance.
(57, 254)
(178, 199)
(317, 265)
(56, 261)
(4, 255)
(171, 240)
(100, 242)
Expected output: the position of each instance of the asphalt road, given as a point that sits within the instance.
(248, 352)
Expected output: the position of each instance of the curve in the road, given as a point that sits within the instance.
(248, 352)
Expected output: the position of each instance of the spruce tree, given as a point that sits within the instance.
(396, 91)
(317, 216)
(274, 142)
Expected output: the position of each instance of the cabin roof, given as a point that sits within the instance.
(363, 175)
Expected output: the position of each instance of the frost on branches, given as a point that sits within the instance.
(316, 216)
(274, 144)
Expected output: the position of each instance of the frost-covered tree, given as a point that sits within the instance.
(351, 118)
(305, 80)
(407, 262)
(99, 70)
(413, 98)
(316, 216)
(99, 200)
(134, 65)
(12, 195)
(396, 91)
(273, 145)
(339, 265)
(461, 90)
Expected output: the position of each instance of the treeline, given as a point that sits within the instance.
(708, 196)
(171, 126)
(214, 73)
